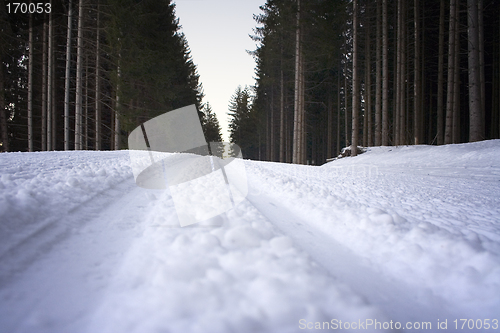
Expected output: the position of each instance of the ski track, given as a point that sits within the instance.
(464, 239)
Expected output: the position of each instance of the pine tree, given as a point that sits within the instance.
(210, 125)
(243, 124)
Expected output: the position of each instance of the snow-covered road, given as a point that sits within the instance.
(398, 235)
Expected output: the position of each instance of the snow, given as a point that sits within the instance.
(407, 234)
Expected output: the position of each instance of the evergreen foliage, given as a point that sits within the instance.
(145, 69)
(244, 123)
(210, 124)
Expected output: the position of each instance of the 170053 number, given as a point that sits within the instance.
(28, 8)
(478, 324)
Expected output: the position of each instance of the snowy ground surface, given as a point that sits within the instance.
(408, 235)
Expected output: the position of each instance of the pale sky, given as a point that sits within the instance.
(217, 32)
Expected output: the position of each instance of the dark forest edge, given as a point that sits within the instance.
(332, 74)
(85, 74)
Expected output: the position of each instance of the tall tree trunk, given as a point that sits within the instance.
(355, 83)
(481, 59)
(268, 141)
(79, 74)
(329, 128)
(282, 119)
(67, 78)
(97, 82)
(44, 85)
(417, 86)
(271, 153)
(347, 115)
(117, 125)
(496, 91)
(402, 79)
(456, 81)
(440, 120)
(303, 120)
(448, 136)
(397, 73)
(288, 133)
(339, 107)
(476, 130)
(86, 106)
(368, 87)
(30, 86)
(378, 78)
(3, 112)
(298, 106)
(385, 77)
(50, 82)
(53, 106)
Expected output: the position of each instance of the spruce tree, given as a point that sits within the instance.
(210, 125)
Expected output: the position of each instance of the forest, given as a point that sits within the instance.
(334, 74)
(329, 74)
(82, 74)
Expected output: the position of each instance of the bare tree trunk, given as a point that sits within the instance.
(30, 86)
(97, 83)
(44, 86)
(303, 120)
(402, 79)
(440, 120)
(417, 86)
(476, 130)
(298, 113)
(448, 136)
(288, 133)
(339, 107)
(329, 129)
(368, 141)
(271, 153)
(385, 77)
(117, 110)
(79, 74)
(50, 84)
(355, 83)
(295, 159)
(53, 106)
(398, 77)
(378, 78)
(456, 81)
(346, 108)
(494, 97)
(481, 58)
(282, 119)
(86, 106)
(3, 113)
(67, 77)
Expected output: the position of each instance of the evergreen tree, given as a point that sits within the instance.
(84, 80)
(244, 123)
(210, 125)
(157, 73)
